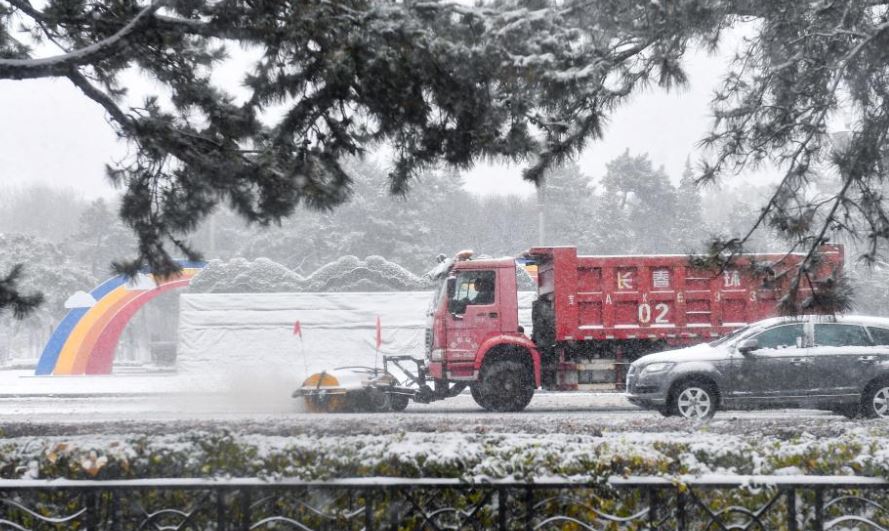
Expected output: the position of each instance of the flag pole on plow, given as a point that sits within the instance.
(379, 341)
(298, 331)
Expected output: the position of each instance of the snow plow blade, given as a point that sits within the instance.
(353, 389)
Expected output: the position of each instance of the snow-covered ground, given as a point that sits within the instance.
(559, 433)
(273, 406)
(176, 397)
(208, 397)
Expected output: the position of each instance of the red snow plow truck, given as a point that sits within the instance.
(592, 317)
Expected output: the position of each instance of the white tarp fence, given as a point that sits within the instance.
(245, 336)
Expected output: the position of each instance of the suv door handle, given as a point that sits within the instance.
(799, 361)
(867, 359)
(492, 315)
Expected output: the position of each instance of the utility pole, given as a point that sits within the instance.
(541, 216)
(212, 227)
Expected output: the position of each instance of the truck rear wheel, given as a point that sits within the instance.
(504, 386)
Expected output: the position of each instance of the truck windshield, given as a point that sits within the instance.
(441, 288)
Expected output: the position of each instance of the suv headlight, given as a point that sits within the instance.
(654, 368)
(437, 354)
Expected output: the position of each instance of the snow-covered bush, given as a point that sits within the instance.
(326, 274)
(266, 276)
(848, 449)
(210, 275)
(348, 273)
(471, 456)
(218, 275)
(375, 273)
(394, 272)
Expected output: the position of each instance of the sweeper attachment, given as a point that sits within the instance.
(354, 389)
(367, 389)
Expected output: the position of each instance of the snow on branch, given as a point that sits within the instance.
(62, 65)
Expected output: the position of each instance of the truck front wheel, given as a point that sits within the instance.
(504, 386)
(476, 391)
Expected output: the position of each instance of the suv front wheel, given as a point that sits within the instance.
(694, 400)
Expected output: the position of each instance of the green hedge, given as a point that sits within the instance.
(469, 456)
(860, 451)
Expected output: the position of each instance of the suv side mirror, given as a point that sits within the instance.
(748, 345)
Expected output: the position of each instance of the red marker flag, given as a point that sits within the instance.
(379, 333)
(297, 329)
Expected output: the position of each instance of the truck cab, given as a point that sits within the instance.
(474, 338)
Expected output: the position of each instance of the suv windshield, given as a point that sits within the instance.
(738, 332)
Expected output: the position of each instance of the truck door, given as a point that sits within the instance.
(474, 314)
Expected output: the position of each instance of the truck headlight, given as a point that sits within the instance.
(654, 368)
(437, 354)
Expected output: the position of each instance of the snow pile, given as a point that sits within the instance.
(261, 275)
(375, 273)
(249, 337)
(348, 273)
(265, 276)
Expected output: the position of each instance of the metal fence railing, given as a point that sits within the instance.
(709, 502)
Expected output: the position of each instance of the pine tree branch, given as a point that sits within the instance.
(201, 28)
(813, 128)
(99, 97)
(25, 7)
(12, 298)
(62, 65)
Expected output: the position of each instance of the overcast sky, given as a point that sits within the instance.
(50, 133)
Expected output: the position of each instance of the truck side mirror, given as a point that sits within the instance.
(748, 345)
(452, 286)
(456, 308)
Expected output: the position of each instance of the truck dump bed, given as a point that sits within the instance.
(657, 297)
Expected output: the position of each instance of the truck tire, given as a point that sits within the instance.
(505, 386)
(398, 402)
(476, 391)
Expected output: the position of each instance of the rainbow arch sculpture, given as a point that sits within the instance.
(84, 342)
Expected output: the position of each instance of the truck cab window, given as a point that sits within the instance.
(472, 288)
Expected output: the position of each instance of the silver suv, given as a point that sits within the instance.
(835, 363)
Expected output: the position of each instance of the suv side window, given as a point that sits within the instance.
(840, 335)
(783, 336)
(880, 335)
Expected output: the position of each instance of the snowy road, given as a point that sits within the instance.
(278, 414)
